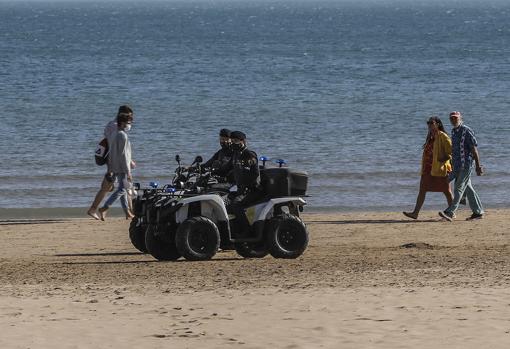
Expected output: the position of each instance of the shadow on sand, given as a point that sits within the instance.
(99, 254)
(151, 261)
(106, 254)
(374, 221)
(31, 221)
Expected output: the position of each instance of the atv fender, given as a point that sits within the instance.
(211, 206)
(267, 211)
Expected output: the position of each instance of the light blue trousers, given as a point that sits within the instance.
(463, 185)
(119, 192)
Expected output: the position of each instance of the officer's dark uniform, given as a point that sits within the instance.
(245, 168)
(222, 167)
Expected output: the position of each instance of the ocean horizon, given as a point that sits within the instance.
(339, 89)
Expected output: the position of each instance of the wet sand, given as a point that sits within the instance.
(367, 280)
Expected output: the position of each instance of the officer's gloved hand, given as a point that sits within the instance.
(234, 197)
(216, 165)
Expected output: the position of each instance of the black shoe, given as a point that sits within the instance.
(475, 216)
(411, 215)
(446, 215)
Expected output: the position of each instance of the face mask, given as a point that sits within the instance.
(127, 128)
(225, 145)
(238, 147)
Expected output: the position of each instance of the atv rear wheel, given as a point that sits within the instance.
(252, 249)
(197, 239)
(137, 235)
(161, 248)
(286, 236)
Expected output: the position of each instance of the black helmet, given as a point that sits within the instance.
(225, 132)
(238, 135)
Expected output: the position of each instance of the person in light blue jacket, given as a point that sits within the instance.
(120, 164)
(107, 182)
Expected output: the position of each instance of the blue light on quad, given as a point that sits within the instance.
(280, 162)
(170, 190)
(264, 159)
(154, 184)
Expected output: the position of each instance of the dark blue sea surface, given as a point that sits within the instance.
(339, 89)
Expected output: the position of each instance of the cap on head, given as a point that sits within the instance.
(225, 132)
(455, 114)
(238, 135)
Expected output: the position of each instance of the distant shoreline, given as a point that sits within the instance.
(50, 213)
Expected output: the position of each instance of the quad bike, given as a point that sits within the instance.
(187, 181)
(192, 222)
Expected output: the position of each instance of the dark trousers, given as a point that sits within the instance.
(237, 204)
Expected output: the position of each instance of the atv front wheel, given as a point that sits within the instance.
(197, 238)
(286, 236)
(137, 235)
(160, 247)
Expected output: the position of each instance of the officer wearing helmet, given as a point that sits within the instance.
(220, 161)
(246, 173)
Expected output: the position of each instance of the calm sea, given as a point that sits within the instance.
(339, 89)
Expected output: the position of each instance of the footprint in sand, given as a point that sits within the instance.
(292, 346)
(159, 335)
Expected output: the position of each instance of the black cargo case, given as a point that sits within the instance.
(281, 182)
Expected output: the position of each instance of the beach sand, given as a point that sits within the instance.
(367, 280)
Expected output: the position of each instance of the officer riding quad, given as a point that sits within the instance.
(195, 225)
(186, 180)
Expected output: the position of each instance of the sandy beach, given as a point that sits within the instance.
(367, 280)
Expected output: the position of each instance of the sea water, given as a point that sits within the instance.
(340, 89)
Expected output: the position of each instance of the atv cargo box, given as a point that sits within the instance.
(281, 182)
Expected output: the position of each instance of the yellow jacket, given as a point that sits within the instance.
(441, 155)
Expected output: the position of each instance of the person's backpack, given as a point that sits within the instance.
(101, 154)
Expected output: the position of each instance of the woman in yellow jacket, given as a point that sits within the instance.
(435, 165)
